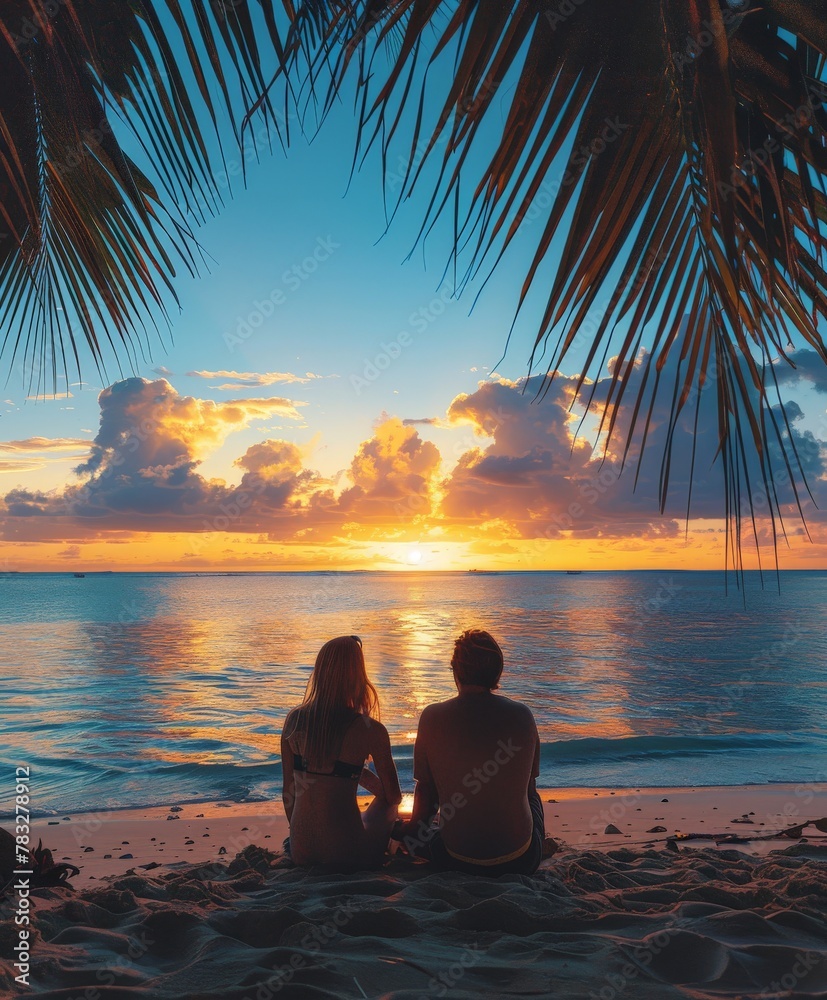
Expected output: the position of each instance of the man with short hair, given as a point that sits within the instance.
(476, 759)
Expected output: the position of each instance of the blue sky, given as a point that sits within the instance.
(333, 316)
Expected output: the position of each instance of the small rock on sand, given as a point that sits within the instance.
(124, 857)
(611, 828)
(657, 829)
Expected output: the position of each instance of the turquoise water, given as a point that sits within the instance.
(136, 689)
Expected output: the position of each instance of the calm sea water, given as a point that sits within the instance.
(135, 689)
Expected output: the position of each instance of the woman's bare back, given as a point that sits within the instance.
(326, 825)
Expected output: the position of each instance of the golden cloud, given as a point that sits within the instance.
(245, 380)
(41, 444)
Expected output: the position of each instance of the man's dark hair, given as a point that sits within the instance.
(477, 659)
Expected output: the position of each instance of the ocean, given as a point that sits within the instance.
(132, 689)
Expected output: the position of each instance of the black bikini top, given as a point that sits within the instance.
(341, 769)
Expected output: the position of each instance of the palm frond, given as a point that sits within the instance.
(89, 241)
(683, 144)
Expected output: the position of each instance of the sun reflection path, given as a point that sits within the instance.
(427, 677)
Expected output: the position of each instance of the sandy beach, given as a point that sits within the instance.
(198, 901)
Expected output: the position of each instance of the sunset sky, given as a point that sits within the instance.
(323, 402)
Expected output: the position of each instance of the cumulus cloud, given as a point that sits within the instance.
(393, 476)
(142, 475)
(695, 465)
(148, 425)
(276, 482)
(807, 366)
(141, 470)
(541, 478)
(519, 473)
(533, 475)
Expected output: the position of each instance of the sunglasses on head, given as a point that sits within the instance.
(357, 639)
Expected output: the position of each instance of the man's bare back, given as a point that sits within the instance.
(476, 759)
(479, 754)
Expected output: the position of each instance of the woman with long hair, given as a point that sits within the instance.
(325, 744)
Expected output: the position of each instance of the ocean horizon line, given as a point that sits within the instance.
(407, 571)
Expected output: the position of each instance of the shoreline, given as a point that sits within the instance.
(800, 789)
(108, 843)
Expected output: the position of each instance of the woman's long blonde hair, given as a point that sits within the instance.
(338, 691)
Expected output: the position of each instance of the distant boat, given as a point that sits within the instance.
(574, 572)
(79, 576)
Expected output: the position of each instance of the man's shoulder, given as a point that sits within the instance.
(511, 705)
(435, 709)
(442, 710)
(516, 711)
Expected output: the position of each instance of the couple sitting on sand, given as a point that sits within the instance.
(476, 807)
